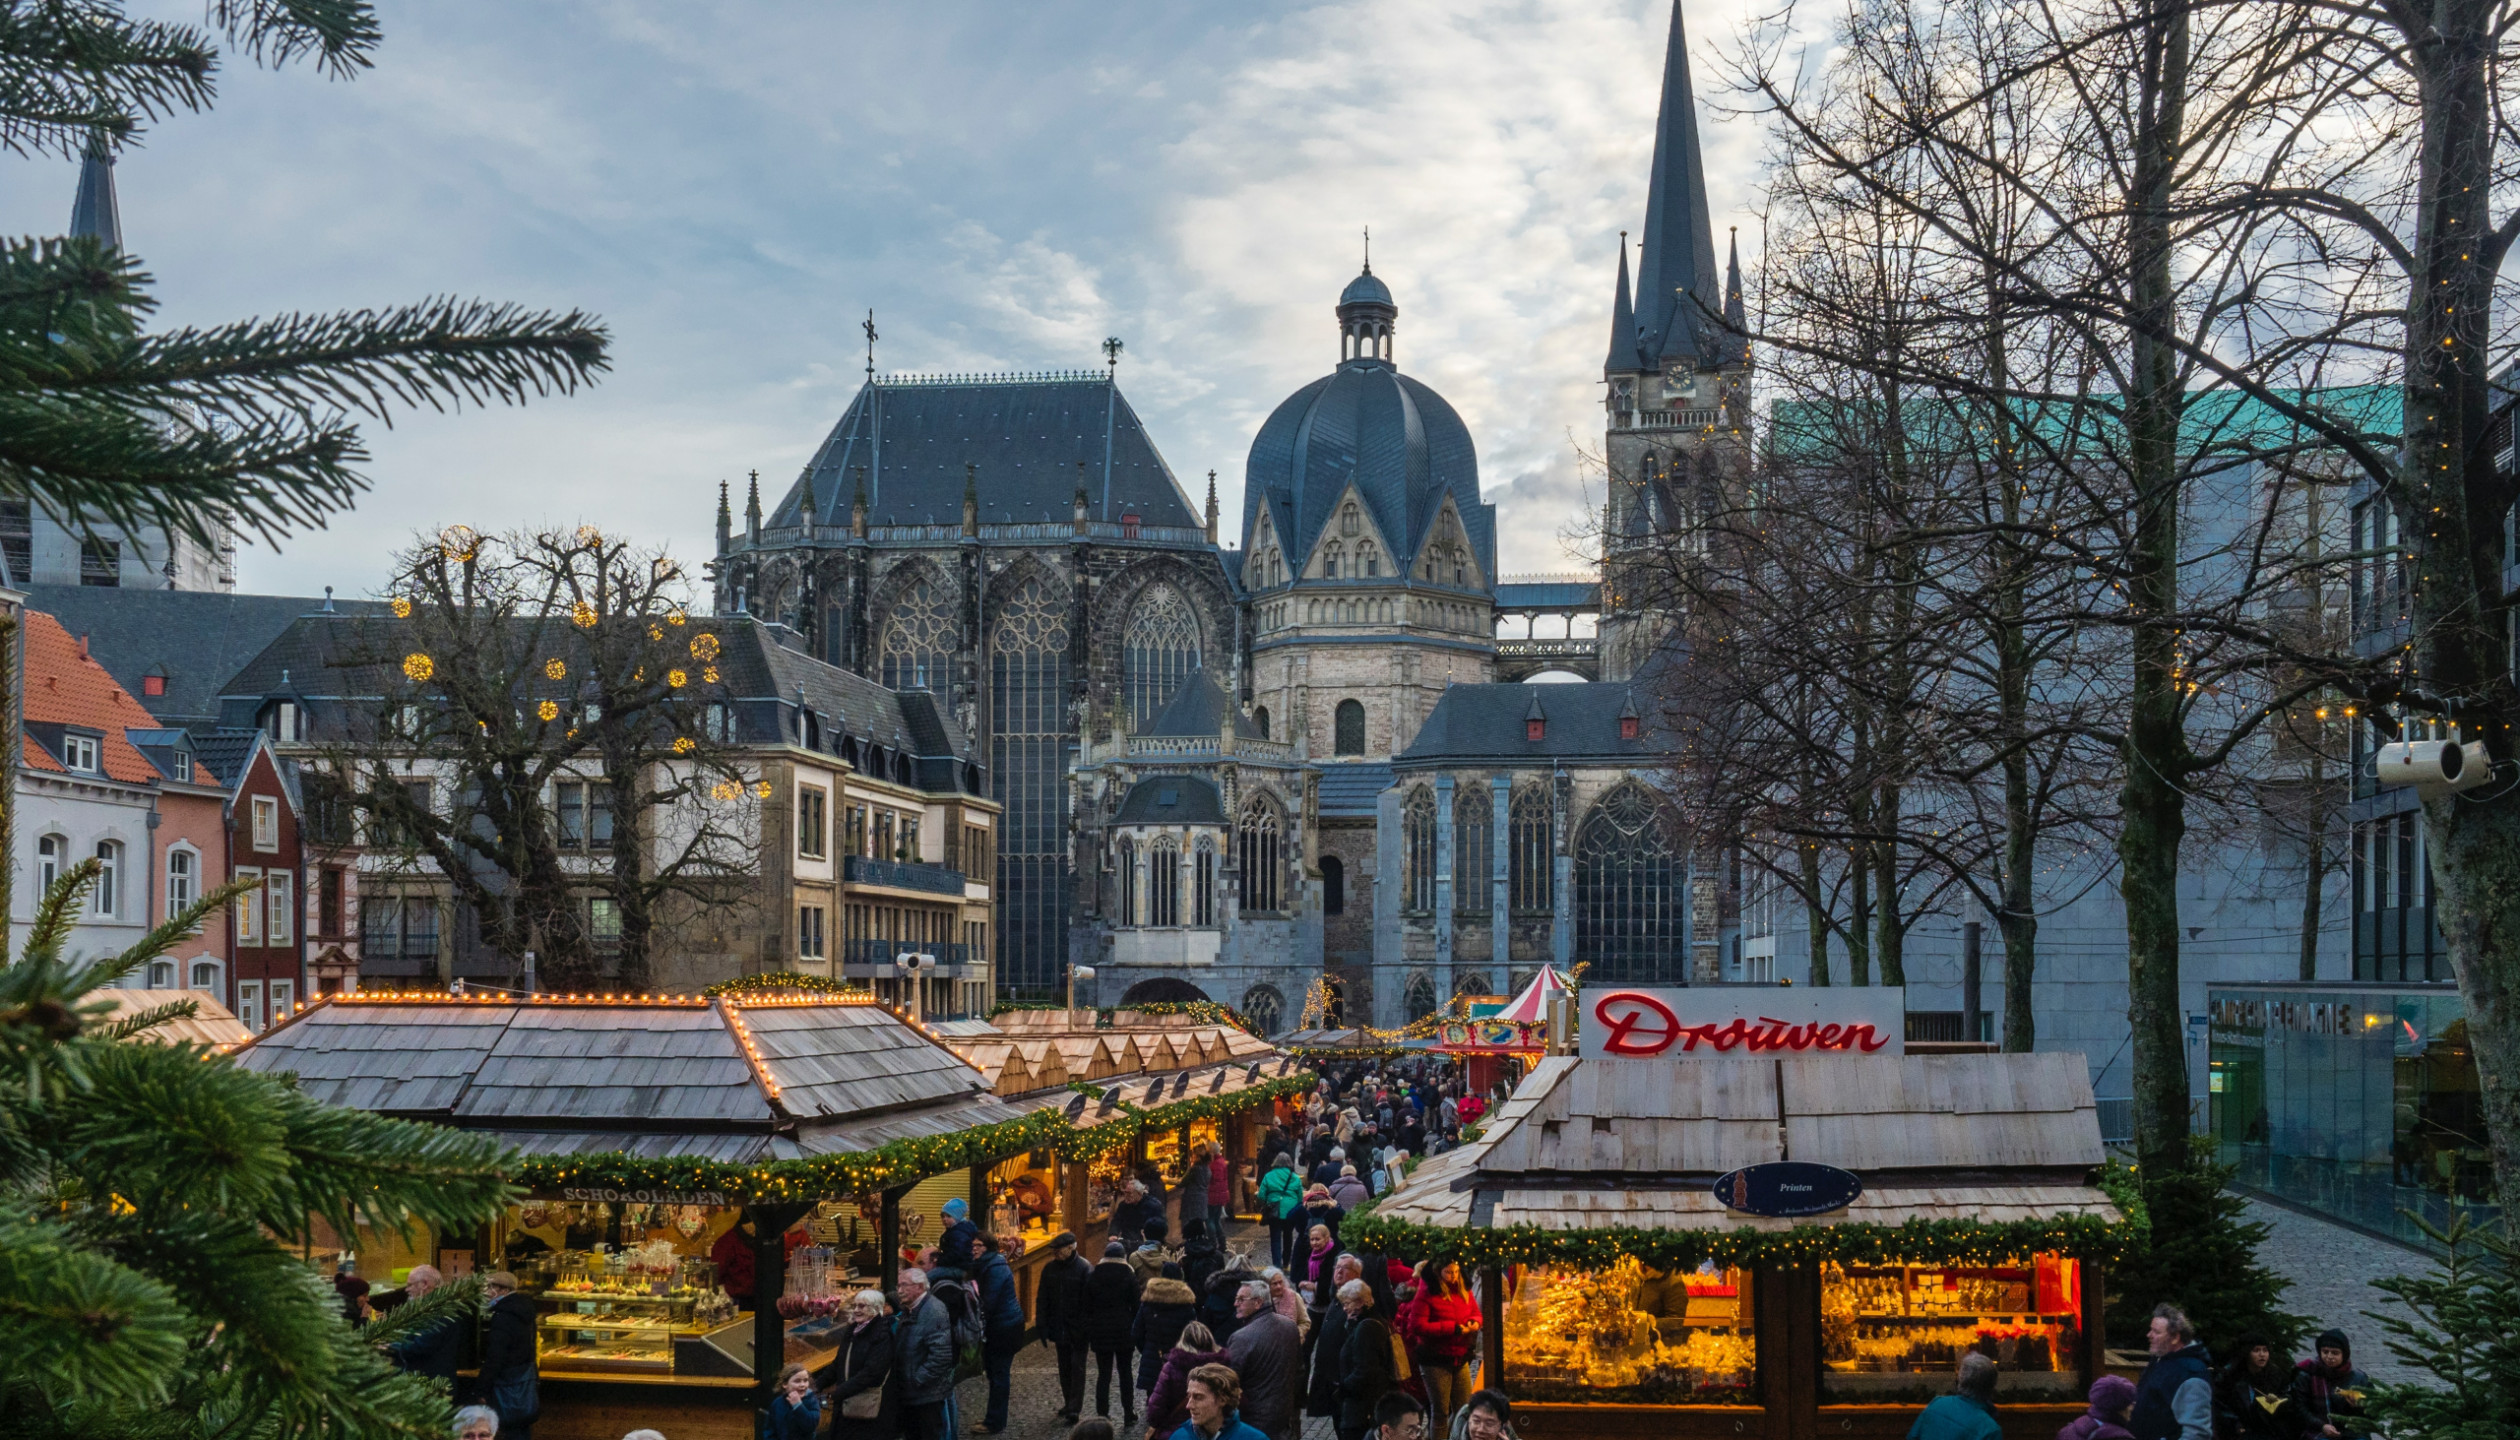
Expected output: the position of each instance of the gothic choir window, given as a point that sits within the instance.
(1028, 722)
(1347, 725)
(1125, 859)
(1163, 882)
(1203, 884)
(916, 649)
(1349, 521)
(1629, 907)
(1417, 831)
(1368, 563)
(1265, 1008)
(1256, 840)
(1417, 998)
(1159, 652)
(1472, 983)
(1529, 865)
(1330, 561)
(1471, 845)
(1333, 885)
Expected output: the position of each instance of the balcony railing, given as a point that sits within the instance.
(870, 958)
(903, 875)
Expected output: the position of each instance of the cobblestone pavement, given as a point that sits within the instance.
(2332, 1268)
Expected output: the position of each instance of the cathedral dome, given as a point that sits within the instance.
(1365, 424)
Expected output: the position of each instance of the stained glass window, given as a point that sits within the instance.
(1160, 650)
(1417, 829)
(1256, 840)
(1532, 867)
(916, 649)
(1630, 911)
(1471, 847)
(1028, 725)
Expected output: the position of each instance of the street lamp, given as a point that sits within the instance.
(1076, 973)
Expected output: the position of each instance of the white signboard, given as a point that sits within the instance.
(1621, 1022)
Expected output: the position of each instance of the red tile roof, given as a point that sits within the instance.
(65, 687)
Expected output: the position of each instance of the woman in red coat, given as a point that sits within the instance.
(1440, 1325)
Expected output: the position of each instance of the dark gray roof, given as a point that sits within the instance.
(1366, 289)
(913, 436)
(1349, 789)
(1580, 723)
(662, 1079)
(197, 639)
(225, 751)
(1675, 271)
(1396, 440)
(1200, 708)
(1172, 800)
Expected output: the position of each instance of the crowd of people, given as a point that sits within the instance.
(2257, 1395)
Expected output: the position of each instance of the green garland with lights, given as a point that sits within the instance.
(901, 1162)
(783, 982)
(1925, 1242)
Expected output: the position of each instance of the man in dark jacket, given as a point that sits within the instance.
(1968, 1414)
(1002, 1322)
(1137, 1207)
(1322, 1355)
(1059, 1304)
(1365, 1370)
(1165, 1306)
(508, 1379)
(1269, 1356)
(1109, 1306)
(437, 1351)
(2175, 1398)
(923, 1358)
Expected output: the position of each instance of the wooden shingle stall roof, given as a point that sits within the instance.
(1583, 1144)
(666, 1077)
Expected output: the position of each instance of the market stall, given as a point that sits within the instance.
(1777, 1245)
(1498, 1044)
(705, 1181)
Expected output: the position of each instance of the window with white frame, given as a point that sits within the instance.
(266, 822)
(809, 932)
(249, 912)
(205, 975)
(249, 1004)
(106, 899)
(603, 922)
(48, 853)
(283, 999)
(183, 878)
(161, 974)
(79, 752)
(278, 888)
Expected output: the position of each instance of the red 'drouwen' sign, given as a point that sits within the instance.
(1643, 1024)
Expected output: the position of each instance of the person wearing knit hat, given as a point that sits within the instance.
(2327, 1385)
(954, 1246)
(2112, 1401)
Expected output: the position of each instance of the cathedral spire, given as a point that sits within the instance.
(1676, 274)
(726, 520)
(752, 510)
(95, 214)
(1623, 358)
(1736, 315)
(1211, 508)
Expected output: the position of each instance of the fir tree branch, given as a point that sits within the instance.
(70, 67)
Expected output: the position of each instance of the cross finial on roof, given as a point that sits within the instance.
(1111, 352)
(1369, 249)
(869, 328)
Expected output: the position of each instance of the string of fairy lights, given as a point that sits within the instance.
(1914, 1242)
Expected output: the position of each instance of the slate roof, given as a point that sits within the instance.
(1678, 254)
(1199, 707)
(197, 639)
(661, 1079)
(914, 436)
(1581, 723)
(1399, 442)
(329, 664)
(1172, 800)
(1349, 789)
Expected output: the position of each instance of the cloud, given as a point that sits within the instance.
(732, 187)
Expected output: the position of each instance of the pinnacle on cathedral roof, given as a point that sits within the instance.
(1676, 296)
(96, 214)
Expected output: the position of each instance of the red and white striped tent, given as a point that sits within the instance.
(1531, 1007)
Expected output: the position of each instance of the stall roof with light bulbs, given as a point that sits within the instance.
(731, 1079)
(1584, 1144)
(1136, 1058)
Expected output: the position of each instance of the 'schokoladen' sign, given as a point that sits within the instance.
(1622, 1022)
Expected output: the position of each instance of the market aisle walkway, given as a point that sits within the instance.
(2332, 1268)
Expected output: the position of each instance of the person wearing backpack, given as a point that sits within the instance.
(1282, 1205)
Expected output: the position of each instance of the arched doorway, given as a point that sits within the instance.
(1164, 990)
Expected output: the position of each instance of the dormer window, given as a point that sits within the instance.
(287, 721)
(153, 686)
(1129, 523)
(80, 754)
(1629, 727)
(1535, 729)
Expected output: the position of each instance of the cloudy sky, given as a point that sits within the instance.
(732, 186)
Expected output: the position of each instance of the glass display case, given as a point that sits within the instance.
(1895, 1332)
(1026, 1198)
(1632, 1335)
(1105, 1176)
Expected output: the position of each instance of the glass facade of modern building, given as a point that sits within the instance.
(2358, 1101)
